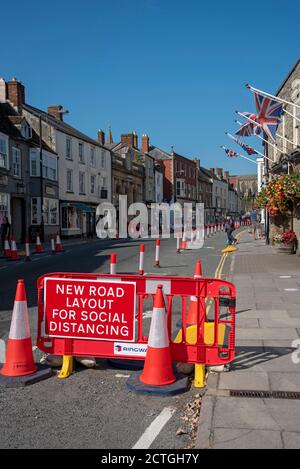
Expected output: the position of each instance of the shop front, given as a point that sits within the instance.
(77, 220)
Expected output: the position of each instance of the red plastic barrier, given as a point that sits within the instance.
(175, 289)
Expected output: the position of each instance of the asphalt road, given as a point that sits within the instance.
(92, 408)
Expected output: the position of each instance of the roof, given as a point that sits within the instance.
(209, 174)
(62, 126)
(9, 121)
(184, 157)
(111, 146)
(204, 174)
(158, 154)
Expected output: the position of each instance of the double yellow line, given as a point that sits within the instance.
(224, 256)
(219, 269)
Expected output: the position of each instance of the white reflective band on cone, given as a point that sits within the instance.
(158, 336)
(19, 328)
(113, 269)
(157, 253)
(141, 266)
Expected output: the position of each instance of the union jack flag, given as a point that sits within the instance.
(268, 114)
(249, 129)
(230, 153)
(245, 147)
(245, 131)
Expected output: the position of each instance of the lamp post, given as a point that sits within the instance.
(42, 226)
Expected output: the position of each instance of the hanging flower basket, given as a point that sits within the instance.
(280, 195)
(286, 242)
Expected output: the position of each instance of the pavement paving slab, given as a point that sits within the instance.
(267, 356)
(240, 438)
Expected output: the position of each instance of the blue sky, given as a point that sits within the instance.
(174, 69)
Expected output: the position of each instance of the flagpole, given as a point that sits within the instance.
(280, 100)
(242, 156)
(256, 151)
(290, 114)
(257, 123)
(263, 139)
(290, 141)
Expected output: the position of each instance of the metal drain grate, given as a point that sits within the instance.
(266, 394)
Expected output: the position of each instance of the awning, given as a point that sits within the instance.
(84, 207)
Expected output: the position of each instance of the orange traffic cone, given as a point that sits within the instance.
(38, 245)
(58, 246)
(193, 306)
(158, 369)
(184, 242)
(7, 251)
(19, 357)
(14, 253)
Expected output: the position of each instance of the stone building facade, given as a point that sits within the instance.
(287, 154)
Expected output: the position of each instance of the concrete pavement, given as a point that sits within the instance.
(268, 333)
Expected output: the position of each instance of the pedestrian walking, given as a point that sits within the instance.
(5, 230)
(255, 223)
(229, 229)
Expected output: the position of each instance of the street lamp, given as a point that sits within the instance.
(42, 228)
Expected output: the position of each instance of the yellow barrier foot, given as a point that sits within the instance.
(229, 249)
(67, 367)
(199, 381)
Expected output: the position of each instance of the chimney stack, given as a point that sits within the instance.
(54, 111)
(129, 139)
(145, 143)
(226, 175)
(220, 173)
(16, 93)
(212, 170)
(197, 162)
(101, 137)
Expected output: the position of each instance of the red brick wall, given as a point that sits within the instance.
(167, 168)
(15, 93)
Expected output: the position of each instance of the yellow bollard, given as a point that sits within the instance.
(67, 367)
(199, 381)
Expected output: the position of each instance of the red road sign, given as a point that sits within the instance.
(90, 309)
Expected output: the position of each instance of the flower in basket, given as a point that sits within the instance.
(286, 237)
(289, 237)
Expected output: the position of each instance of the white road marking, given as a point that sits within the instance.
(285, 276)
(119, 375)
(154, 428)
(291, 289)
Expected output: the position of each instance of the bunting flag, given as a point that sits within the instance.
(268, 114)
(247, 148)
(230, 152)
